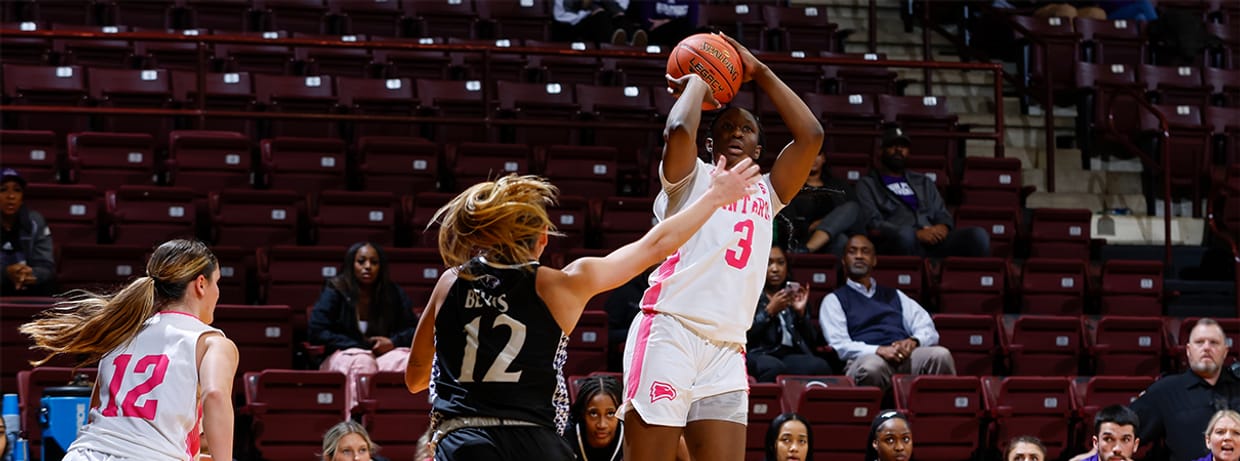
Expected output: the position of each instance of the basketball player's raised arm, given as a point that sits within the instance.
(795, 160)
(422, 353)
(216, 371)
(566, 292)
(680, 133)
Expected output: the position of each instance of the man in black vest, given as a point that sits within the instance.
(879, 331)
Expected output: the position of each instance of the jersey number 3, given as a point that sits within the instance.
(498, 371)
(739, 257)
(156, 365)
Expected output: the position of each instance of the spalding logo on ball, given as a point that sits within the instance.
(713, 59)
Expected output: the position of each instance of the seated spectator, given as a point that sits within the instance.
(903, 210)
(348, 441)
(667, 22)
(25, 242)
(594, 432)
(782, 340)
(891, 438)
(597, 21)
(1115, 435)
(789, 437)
(879, 331)
(362, 319)
(1025, 448)
(1177, 407)
(1223, 436)
(824, 213)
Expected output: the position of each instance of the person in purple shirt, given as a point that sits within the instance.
(1223, 437)
(1115, 435)
(904, 213)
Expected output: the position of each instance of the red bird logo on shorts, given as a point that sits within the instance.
(660, 391)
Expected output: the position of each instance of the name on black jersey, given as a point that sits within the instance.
(477, 298)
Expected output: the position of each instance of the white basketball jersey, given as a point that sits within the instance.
(148, 393)
(712, 283)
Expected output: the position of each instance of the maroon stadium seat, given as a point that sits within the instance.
(345, 217)
(477, 162)
(149, 215)
(802, 27)
(292, 410)
(298, 94)
(263, 335)
(295, 276)
(455, 99)
(1126, 346)
(100, 267)
(128, 88)
(582, 170)
(393, 417)
(624, 219)
(972, 285)
(974, 341)
(393, 96)
(71, 209)
(1037, 406)
(254, 218)
(1042, 345)
(1132, 287)
(904, 273)
(32, 153)
(587, 346)
(1060, 233)
(109, 160)
(946, 410)
(1053, 286)
(305, 165)
(210, 160)
(400, 165)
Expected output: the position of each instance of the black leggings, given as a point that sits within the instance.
(514, 443)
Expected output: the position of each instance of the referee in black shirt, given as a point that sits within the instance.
(1179, 406)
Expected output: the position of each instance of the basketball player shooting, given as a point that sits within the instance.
(684, 357)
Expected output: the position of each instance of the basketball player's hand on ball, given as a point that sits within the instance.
(677, 87)
(731, 184)
(750, 64)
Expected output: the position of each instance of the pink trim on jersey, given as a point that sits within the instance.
(665, 270)
(187, 314)
(192, 441)
(639, 354)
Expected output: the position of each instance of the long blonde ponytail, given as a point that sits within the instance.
(91, 324)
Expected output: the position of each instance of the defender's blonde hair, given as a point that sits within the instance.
(501, 219)
(91, 324)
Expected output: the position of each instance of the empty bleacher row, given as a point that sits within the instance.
(766, 25)
(1114, 63)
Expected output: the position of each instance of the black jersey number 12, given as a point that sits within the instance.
(498, 371)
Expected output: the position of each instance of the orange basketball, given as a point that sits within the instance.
(712, 58)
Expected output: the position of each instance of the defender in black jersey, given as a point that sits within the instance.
(491, 341)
